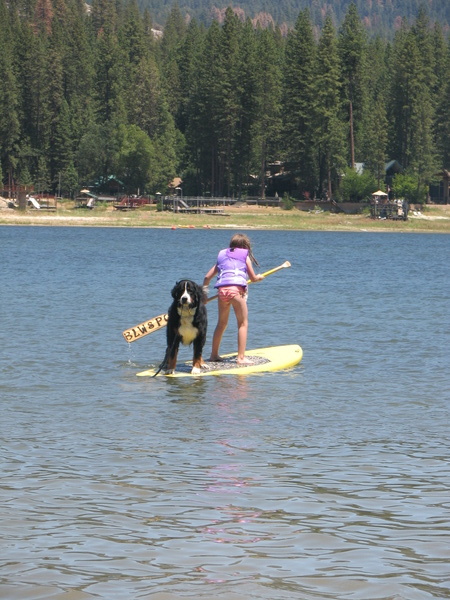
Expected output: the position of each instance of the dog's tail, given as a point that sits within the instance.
(163, 365)
(165, 361)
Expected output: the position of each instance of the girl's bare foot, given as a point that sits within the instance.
(215, 359)
(244, 361)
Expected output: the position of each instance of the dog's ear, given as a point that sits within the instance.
(200, 295)
(175, 289)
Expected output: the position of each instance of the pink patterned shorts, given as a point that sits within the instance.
(228, 292)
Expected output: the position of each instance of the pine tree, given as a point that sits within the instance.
(441, 129)
(109, 85)
(424, 41)
(268, 124)
(69, 180)
(423, 159)
(402, 77)
(149, 36)
(413, 112)
(131, 36)
(201, 134)
(102, 11)
(166, 142)
(299, 97)
(377, 139)
(110, 69)
(9, 101)
(329, 130)
(147, 96)
(375, 123)
(42, 175)
(352, 50)
(189, 64)
(58, 135)
(247, 92)
(78, 71)
(172, 40)
(445, 133)
(227, 100)
(31, 56)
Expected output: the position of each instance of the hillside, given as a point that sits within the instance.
(379, 16)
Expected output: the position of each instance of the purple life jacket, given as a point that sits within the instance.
(232, 267)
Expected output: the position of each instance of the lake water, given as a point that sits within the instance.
(329, 481)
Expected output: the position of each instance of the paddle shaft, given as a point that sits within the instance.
(283, 266)
(143, 329)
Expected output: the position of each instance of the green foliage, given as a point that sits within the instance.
(329, 124)
(136, 162)
(24, 176)
(69, 181)
(413, 116)
(42, 176)
(374, 124)
(9, 97)
(352, 51)
(300, 102)
(405, 185)
(379, 17)
(86, 95)
(266, 129)
(287, 203)
(356, 187)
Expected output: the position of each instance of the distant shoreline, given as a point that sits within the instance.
(434, 219)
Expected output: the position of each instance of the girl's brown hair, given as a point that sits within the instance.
(239, 240)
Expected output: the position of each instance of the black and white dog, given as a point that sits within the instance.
(187, 323)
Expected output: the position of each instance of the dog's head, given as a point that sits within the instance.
(187, 293)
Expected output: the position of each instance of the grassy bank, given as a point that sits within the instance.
(434, 219)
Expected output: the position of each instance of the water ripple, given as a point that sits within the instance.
(330, 481)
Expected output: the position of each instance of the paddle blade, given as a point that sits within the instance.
(139, 331)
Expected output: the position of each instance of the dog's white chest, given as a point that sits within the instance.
(187, 331)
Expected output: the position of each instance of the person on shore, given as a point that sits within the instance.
(233, 268)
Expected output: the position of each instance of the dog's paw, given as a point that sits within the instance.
(196, 370)
(169, 371)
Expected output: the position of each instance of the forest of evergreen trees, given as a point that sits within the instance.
(87, 94)
(379, 16)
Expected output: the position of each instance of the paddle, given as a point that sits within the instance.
(143, 329)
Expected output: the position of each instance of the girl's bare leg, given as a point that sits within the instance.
(222, 322)
(239, 304)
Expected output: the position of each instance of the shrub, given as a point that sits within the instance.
(287, 203)
(356, 187)
(406, 185)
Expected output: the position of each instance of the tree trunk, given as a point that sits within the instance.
(352, 138)
(329, 183)
(263, 171)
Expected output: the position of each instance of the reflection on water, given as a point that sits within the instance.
(328, 481)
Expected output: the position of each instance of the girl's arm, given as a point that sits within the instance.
(250, 272)
(209, 275)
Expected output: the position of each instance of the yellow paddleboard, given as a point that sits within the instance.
(264, 360)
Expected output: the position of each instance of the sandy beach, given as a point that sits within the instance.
(433, 219)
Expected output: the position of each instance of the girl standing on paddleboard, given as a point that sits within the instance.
(233, 268)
